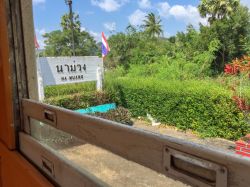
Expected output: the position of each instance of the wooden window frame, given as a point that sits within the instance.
(151, 150)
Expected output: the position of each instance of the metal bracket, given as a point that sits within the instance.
(50, 117)
(194, 170)
(48, 167)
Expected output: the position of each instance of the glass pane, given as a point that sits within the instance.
(172, 69)
(174, 80)
(113, 169)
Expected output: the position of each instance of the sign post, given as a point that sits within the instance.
(40, 83)
(99, 77)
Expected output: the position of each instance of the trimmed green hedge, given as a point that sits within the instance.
(79, 100)
(68, 89)
(202, 106)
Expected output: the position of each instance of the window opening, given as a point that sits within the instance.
(185, 87)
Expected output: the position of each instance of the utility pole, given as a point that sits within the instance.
(69, 2)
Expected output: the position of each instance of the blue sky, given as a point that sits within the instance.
(111, 16)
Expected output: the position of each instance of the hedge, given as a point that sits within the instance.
(68, 89)
(79, 100)
(202, 106)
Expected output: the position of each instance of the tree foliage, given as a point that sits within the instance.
(135, 48)
(233, 36)
(217, 9)
(206, 49)
(152, 25)
(59, 42)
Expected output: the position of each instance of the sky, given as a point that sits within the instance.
(112, 16)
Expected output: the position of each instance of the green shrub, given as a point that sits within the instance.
(202, 106)
(167, 69)
(120, 115)
(246, 92)
(79, 100)
(67, 89)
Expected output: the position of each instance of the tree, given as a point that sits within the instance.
(217, 9)
(152, 25)
(133, 47)
(122, 44)
(233, 35)
(59, 42)
(66, 22)
(194, 53)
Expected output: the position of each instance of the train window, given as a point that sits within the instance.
(109, 99)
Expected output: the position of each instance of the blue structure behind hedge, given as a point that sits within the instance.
(100, 108)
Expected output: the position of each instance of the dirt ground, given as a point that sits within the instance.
(115, 170)
(188, 135)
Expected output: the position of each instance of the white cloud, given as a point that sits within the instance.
(137, 17)
(178, 11)
(246, 3)
(144, 4)
(163, 9)
(188, 14)
(110, 26)
(35, 2)
(109, 5)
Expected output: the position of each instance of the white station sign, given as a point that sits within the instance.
(65, 70)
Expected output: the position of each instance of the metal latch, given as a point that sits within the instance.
(50, 117)
(193, 170)
(48, 167)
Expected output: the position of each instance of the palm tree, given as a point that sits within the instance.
(152, 25)
(217, 9)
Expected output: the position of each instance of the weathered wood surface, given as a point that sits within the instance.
(7, 135)
(20, 51)
(29, 48)
(140, 146)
